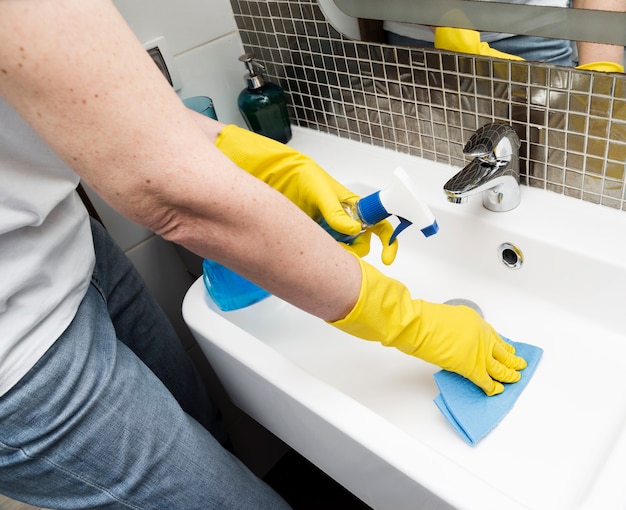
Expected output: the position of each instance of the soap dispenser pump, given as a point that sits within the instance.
(263, 104)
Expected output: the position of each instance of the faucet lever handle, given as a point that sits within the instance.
(493, 171)
(493, 144)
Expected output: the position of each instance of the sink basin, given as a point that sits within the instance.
(364, 413)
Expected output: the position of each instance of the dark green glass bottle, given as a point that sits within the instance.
(263, 104)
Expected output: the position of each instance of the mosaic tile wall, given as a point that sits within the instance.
(428, 103)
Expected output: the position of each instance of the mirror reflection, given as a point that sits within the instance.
(557, 51)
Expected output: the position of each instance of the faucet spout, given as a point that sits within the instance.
(494, 171)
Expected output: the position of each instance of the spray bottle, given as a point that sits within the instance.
(398, 199)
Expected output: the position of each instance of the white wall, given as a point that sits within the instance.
(202, 37)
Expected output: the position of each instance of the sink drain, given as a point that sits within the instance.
(510, 255)
(466, 302)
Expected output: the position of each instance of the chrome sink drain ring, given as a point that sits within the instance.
(466, 302)
(510, 255)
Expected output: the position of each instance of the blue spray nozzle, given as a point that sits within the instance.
(399, 199)
(427, 231)
(371, 209)
(402, 200)
(430, 230)
(403, 224)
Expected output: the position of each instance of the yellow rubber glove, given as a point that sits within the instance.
(303, 182)
(467, 41)
(605, 67)
(453, 337)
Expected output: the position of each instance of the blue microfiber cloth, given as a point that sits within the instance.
(472, 413)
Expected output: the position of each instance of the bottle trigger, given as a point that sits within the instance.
(404, 223)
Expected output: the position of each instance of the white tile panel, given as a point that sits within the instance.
(184, 23)
(213, 70)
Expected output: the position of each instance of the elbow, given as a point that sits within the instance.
(185, 229)
(171, 224)
(168, 222)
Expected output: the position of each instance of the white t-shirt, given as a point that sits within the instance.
(424, 33)
(46, 250)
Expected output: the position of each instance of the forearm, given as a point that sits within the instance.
(98, 100)
(594, 52)
(269, 240)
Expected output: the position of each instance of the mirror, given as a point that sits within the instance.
(380, 21)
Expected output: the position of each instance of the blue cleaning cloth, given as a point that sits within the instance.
(472, 413)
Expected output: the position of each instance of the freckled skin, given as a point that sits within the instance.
(130, 138)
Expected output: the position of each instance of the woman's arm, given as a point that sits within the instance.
(594, 52)
(75, 71)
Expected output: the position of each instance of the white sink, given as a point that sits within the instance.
(365, 413)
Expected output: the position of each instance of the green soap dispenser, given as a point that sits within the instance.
(263, 104)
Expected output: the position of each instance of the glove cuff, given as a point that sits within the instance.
(249, 150)
(383, 311)
(605, 67)
(457, 39)
(463, 40)
(353, 323)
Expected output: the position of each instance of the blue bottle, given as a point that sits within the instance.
(228, 290)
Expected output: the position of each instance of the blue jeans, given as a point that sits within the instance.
(114, 415)
(540, 49)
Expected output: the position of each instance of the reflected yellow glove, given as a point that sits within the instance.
(453, 337)
(303, 182)
(605, 67)
(467, 41)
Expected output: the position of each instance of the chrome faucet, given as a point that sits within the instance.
(494, 171)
